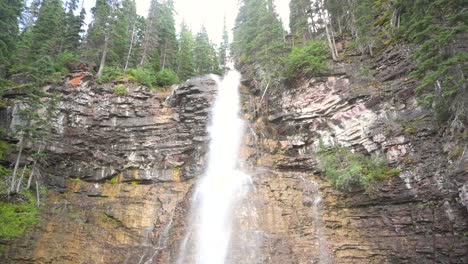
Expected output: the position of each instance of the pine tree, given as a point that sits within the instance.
(167, 36)
(223, 49)
(73, 27)
(132, 30)
(151, 36)
(259, 38)
(206, 60)
(48, 32)
(298, 19)
(10, 11)
(185, 55)
(123, 16)
(97, 36)
(133, 56)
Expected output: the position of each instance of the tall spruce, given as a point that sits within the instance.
(97, 39)
(224, 49)
(185, 54)
(10, 11)
(206, 60)
(151, 36)
(48, 31)
(299, 19)
(259, 38)
(167, 36)
(73, 26)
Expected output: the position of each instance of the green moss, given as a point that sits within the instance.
(410, 130)
(16, 218)
(113, 180)
(105, 218)
(75, 179)
(344, 168)
(134, 183)
(4, 149)
(456, 152)
(120, 89)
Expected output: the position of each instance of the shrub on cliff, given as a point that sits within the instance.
(17, 217)
(110, 74)
(344, 168)
(143, 76)
(120, 89)
(309, 59)
(166, 78)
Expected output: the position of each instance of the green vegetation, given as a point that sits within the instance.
(309, 59)
(166, 78)
(134, 183)
(442, 68)
(16, 218)
(43, 39)
(142, 76)
(456, 153)
(106, 218)
(120, 89)
(110, 74)
(75, 180)
(344, 168)
(113, 180)
(259, 40)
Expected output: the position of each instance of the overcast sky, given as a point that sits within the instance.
(207, 12)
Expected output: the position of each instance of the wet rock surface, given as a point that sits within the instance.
(122, 169)
(419, 216)
(119, 166)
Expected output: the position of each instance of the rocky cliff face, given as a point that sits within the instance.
(122, 168)
(119, 166)
(419, 216)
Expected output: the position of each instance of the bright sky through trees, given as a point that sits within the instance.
(206, 12)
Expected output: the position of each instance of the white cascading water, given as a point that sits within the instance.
(223, 186)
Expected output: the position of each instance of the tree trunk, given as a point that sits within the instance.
(31, 176)
(330, 44)
(20, 179)
(15, 170)
(333, 42)
(163, 63)
(130, 49)
(38, 202)
(103, 57)
(34, 167)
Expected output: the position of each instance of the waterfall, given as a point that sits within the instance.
(222, 187)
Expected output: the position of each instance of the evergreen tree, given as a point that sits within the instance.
(259, 38)
(185, 55)
(48, 32)
(10, 11)
(97, 31)
(223, 49)
(151, 36)
(123, 18)
(205, 59)
(134, 51)
(167, 36)
(73, 27)
(298, 19)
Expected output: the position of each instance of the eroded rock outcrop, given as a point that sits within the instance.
(121, 170)
(120, 165)
(419, 216)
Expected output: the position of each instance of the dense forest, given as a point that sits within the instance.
(44, 38)
(40, 42)
(433, 28)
